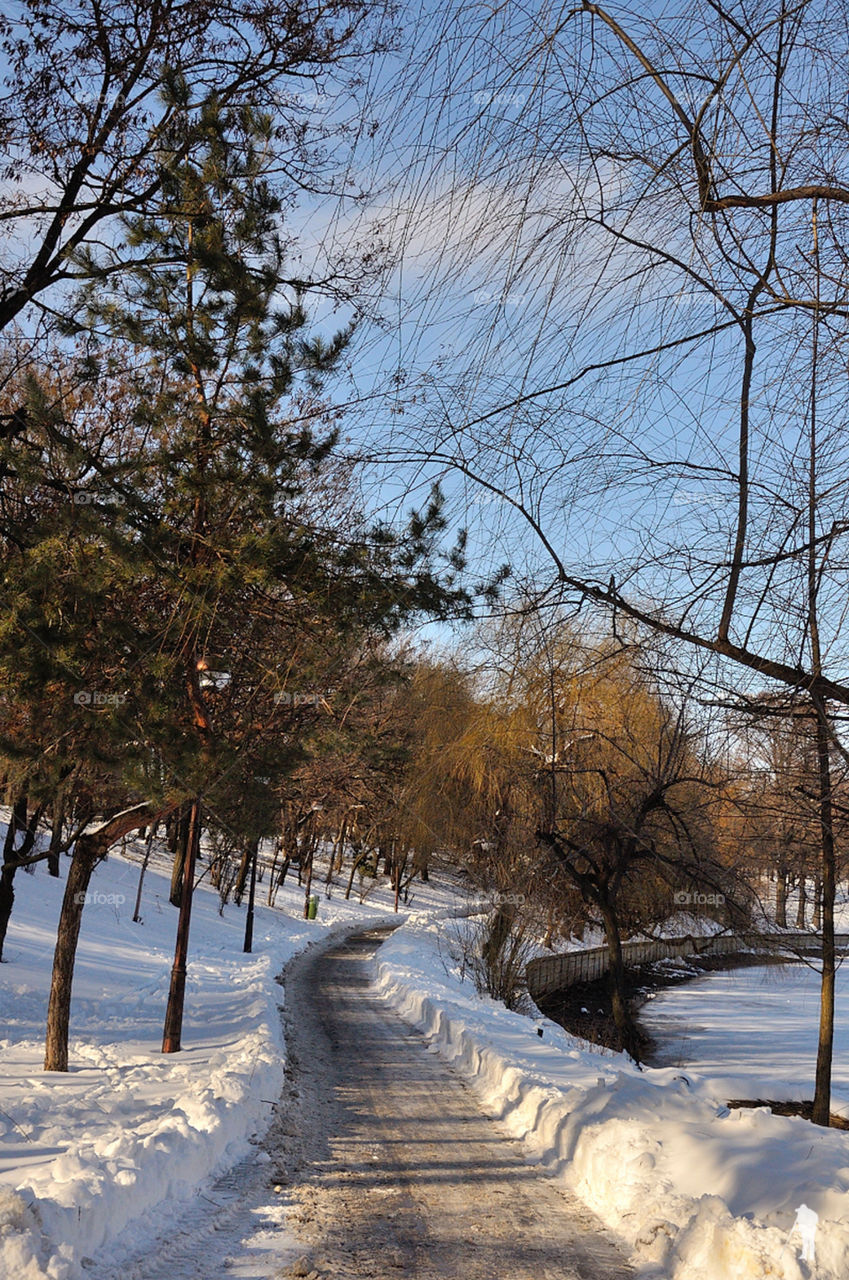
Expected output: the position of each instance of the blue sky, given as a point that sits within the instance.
(499, 289)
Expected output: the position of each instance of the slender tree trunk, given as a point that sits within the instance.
(825, 1046)
(173, 1030)
(249, 918)
(12, 855)
(357, 862)
(308, 889)
(17, 822)
(245, 863)
(272, 877)
(340, 847)
(803, 902)
(781, 897)
(816, 919)
(145, 860)
(175, 896)
(56, 832)
(549, 930)
(396, 875)
(172, 830)
(337, 854)
(7, 902)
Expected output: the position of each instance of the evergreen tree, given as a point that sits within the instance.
(196, 588)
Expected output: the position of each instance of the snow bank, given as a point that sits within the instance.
(84, 1153)
(125, 1161)
(696, 1191)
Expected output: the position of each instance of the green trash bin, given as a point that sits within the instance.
(312, 907)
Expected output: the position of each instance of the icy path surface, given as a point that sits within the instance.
(381, 1161)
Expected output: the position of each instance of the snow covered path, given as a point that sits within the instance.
(404, 1173)
(381, 1160)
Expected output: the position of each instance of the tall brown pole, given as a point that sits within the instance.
(173, 1031)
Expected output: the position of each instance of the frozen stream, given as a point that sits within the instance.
(753, 1031)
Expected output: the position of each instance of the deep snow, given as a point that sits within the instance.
(724, 1026)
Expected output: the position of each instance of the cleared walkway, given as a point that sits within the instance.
(406, 1175)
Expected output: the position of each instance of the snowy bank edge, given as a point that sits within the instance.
(672, 1236)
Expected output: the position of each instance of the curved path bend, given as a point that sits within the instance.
(381, 1162)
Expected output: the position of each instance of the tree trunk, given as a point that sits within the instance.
(172, 830)
(11, 856)
(85, 859)
(822, 1087)
(549, 930)
(145, 860)
(17, 822)
(181, 844)
(816, 919)
(357, 862)
(248, 853)
(249, 917)
(337, 855)
(173, 1030)
(7, 901)
(90, 848)
(781, 897)
(340, 848)
(308, 889)
(272, 875)
(629, 1039)
(803, 902)
(56, 832)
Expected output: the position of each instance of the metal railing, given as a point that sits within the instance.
(553, 973)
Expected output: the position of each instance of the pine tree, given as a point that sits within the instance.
(197, 584)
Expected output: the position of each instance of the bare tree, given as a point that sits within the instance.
(91, 90)
(669, 428)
